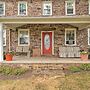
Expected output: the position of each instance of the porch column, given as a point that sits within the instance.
(1, 42)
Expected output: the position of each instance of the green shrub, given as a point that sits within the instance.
(8, 70)
(82, 67)
(5, 70)
(74, 69)
(85, 67)
(19, 71)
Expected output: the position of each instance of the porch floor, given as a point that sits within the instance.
(24, 59)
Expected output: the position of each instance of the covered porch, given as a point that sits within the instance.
(35, 27)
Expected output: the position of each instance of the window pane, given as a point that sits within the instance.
(69, 11)
(70, 7)
(47, 9)
(22, 8)
(4, 37)
(1, 9)
(24, 38)
(70, 37)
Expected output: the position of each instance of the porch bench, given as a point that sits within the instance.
(69, 51)
(23, 50)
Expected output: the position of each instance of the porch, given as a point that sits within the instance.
(55, 27)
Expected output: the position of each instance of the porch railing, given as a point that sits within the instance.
(69, 51)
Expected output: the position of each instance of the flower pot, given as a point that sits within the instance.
(9, 57)
(84, 56)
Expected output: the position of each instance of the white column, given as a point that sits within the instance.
(1, 42)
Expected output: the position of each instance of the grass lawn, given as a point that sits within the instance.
(74, 81)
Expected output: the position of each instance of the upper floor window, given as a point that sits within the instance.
(23, 37)
(22, 8)
(70, 36)
(2, 8)
(47, 8)
(70, 7)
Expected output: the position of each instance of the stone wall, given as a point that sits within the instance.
(82, 39)
(35, 8)
(59, 36)
(35, 35)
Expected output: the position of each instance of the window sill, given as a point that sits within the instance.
(70, 45)
(22, 15)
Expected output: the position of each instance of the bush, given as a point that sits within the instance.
(74, 69)
(85, 67)
(19, 71)
(82, 67)
(8, 70)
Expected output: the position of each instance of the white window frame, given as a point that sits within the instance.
(19, 37)
(89, 6)
(4, 8)
(74, 35)
(4, 31)
(22, 2)
(73, 7)
(47, 2)
(88, 36)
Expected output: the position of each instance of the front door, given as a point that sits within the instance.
(47, 43)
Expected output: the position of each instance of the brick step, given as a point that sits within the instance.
(43, 66)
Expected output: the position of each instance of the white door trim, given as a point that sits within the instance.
(52, 42)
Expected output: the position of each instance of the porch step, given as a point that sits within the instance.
(46, 69)
(43, 66)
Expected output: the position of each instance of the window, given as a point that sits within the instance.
(89, 36)
(23, 37)
(4, 37)
(22, 8)
(70, 36)
(47, 8)
(89, 6)
(2, 8)
(70, 7)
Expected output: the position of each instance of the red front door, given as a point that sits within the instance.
(47, 43)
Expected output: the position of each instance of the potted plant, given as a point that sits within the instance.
(9, 56)
(83, 55)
